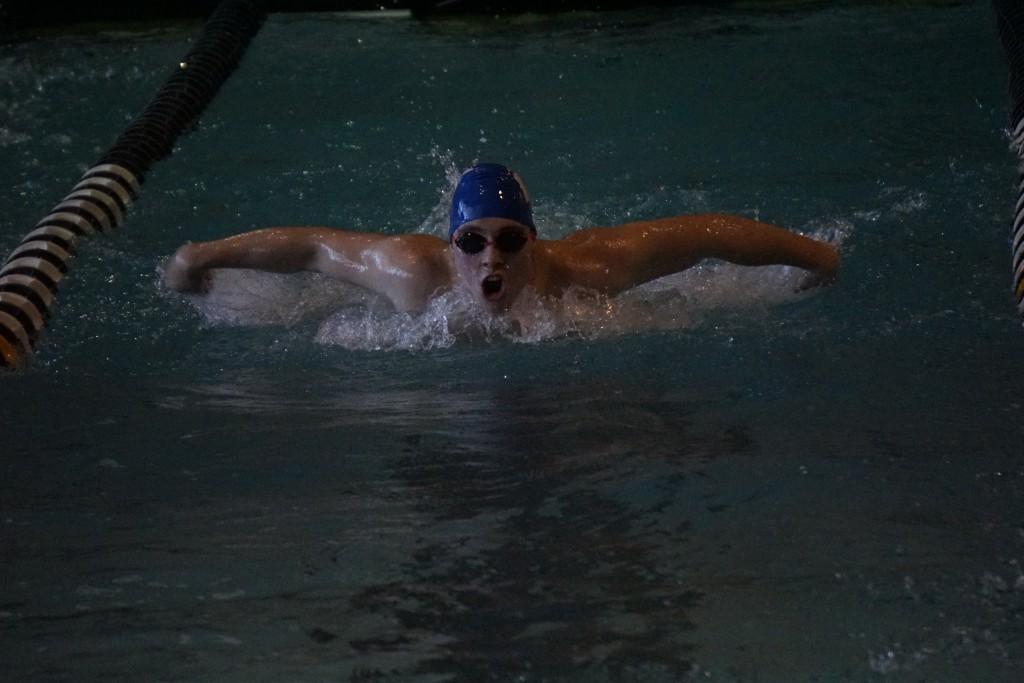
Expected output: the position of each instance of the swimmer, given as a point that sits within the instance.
(493, 251)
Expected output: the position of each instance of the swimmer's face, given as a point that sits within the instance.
(494, 258)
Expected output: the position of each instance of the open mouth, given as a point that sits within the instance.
(493, 286)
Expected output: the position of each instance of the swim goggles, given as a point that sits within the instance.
(510, 242)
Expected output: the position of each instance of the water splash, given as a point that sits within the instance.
(355, 319)
(252, 298)
(436, 222)
(454, 317)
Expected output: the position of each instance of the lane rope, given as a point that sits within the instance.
(99, 202)
(1010, 21)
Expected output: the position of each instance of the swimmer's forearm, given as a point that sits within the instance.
(652, 249)
(279, 250)
(282, 250)
(752, 243)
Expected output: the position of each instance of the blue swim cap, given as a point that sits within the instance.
(490, 191)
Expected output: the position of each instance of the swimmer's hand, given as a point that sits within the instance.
(181, 275)
(825, 273)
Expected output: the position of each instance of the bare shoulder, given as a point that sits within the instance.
(581, 259)
(612, 259)
(386, 243)
(407, 269)
(594, 246)
(422, 253)
(418, 243)
(411, 269)
(620, 235)
(372, 249)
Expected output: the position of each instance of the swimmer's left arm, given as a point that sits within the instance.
(615, 259)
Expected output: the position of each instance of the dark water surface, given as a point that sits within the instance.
(713, 479)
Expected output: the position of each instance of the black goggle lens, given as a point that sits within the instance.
(509, 242)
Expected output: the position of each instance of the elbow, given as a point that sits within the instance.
(828, 260)
(185, 255)
(181, 272)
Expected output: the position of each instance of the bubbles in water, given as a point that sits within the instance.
(911, 204)
(10, 137)
(884, 662)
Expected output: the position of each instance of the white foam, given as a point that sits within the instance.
(676, 302)
(252, 298)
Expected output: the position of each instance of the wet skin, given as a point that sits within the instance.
(494, 277)
(411, 269)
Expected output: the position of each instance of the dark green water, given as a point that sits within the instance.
(714, 480)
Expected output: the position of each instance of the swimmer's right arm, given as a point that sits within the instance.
(278, 250)
(395, 266)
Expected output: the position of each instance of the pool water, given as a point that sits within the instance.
(709, 478)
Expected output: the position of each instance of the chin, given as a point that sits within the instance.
(494, 307)
(498, 306)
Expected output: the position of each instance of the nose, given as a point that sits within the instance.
(492, 255)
